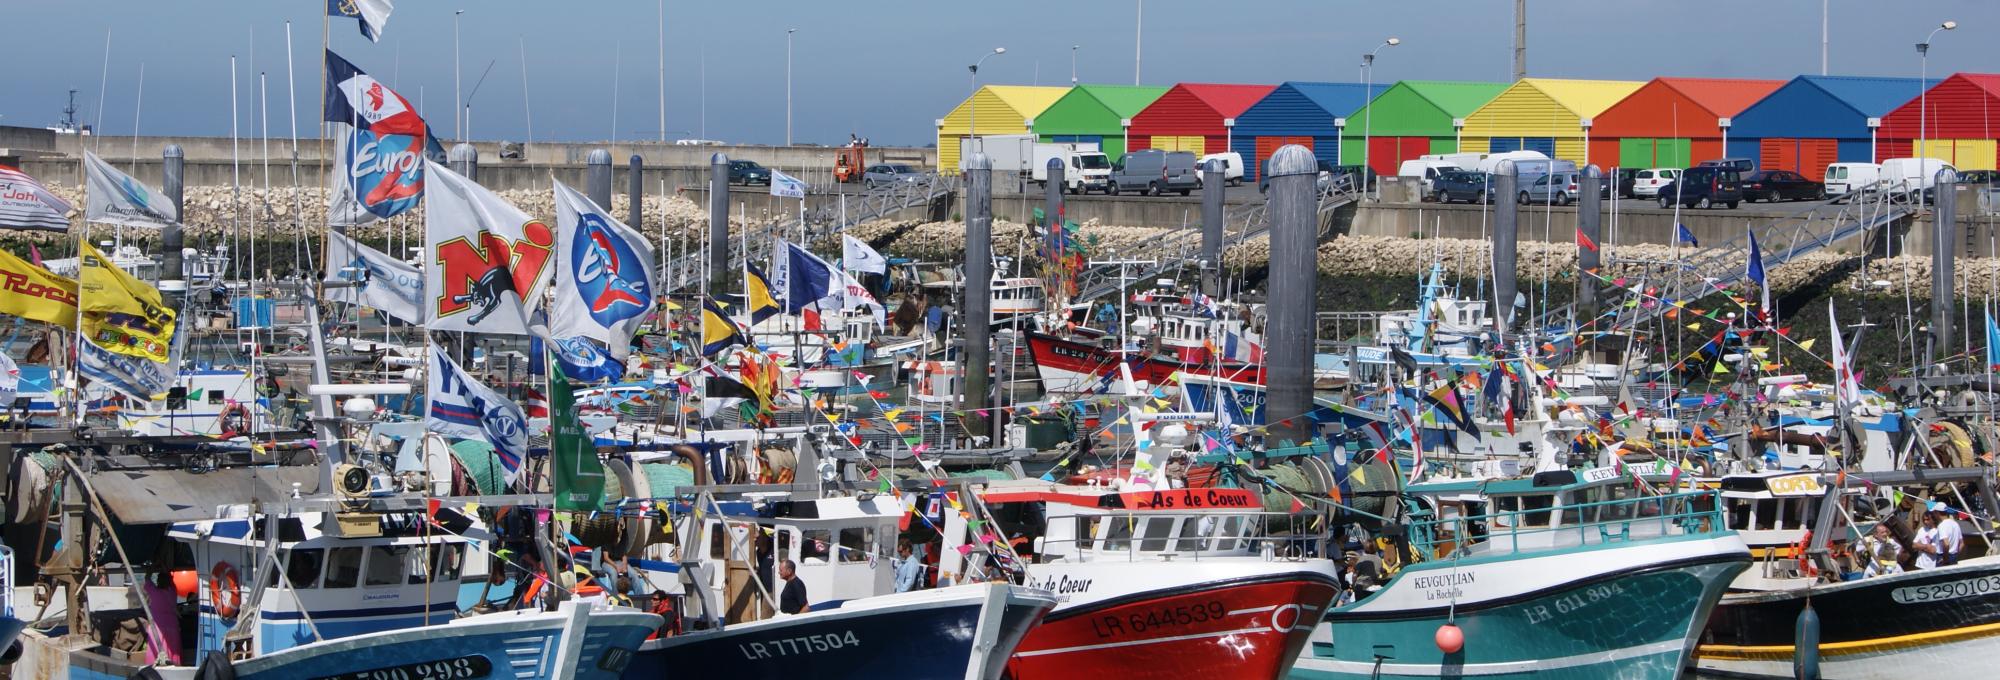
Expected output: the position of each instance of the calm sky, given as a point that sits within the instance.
(888, 68)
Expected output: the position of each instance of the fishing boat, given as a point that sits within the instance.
(1561, 574)
(855, 625)
(1171, 583)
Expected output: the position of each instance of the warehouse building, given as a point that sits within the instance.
(1299, 113)
(1193, 117)
(992, 110)
(1961, 119)
(1410, 119)
(1543, 114)
(1094, 114)
(1815, 120)
(1672, 122)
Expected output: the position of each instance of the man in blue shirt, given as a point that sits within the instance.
(909, 569)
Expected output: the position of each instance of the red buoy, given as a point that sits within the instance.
(1450, 639)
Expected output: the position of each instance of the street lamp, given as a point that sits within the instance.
(1126, 125)
(972, 126)
(1873, 125)
(1923, 102)
(1072, 63)
(1723, 123)
(1585, 123)
(1228, 134)
(458, 100)
(1457, 134)
(788, 85)
(1368, 89)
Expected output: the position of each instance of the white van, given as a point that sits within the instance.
(1425, 170)
(1469, 159)
(1911, 175)
(1232, 166)
(1844, 178)
(1492, 161)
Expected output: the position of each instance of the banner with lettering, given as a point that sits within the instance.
(35, 294)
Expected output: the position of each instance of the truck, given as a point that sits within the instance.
(1087, 167)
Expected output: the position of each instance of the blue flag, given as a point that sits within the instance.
(1681, 230)
(1992, 341)
(800, 276)
(383, 148)
(1757, 274)
(583, 360)
(372, 14)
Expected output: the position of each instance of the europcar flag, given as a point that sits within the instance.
(26, 204)
(486, 257)
(378, 280)
(604, 274)
(372, 14)
(116, 198)
(382, 147)
(34, 293)
(461, 407)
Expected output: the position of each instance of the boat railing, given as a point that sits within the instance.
(1569, 525)
(1194, 538)
(6, 581)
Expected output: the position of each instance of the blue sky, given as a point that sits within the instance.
(888, 68)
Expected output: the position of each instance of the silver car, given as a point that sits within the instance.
(890, 173)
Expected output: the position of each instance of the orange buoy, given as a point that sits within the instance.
(224, 591)
(186, 582)
(1450, 639)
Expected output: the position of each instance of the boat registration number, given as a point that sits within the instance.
(1949, 590)
(804, 644)
(1159, 619)
(474, 666)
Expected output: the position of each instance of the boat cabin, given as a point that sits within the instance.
(1772, 510)
(331, 576)
(1046, 522)
(1554, 510)
(841, 547)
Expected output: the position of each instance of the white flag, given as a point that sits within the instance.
(380, 281)
(853, 295)
(787, 186)
(485, 258)
(373, 15)
(26, 204)
(117, 198)
(604, 274)
(857, 256)
(461, 407)
(1847, 389)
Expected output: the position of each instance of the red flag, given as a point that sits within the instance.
(1510, 419)
(1584, 242)
(534, 404)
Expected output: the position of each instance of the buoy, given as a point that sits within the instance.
(1805, 650)
(186, 581)
(1450, 639)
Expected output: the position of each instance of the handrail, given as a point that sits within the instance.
(1681, 511)
(6, 581)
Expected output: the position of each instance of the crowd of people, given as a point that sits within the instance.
(1909, 540)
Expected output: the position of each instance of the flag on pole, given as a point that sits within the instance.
(462, 407)
(534, 403)
(1756, 273)
(718, 333)
(373, 15)
(757, 294)
(720, 392)
(117, 198)
(1583, 240)
(787, 186)
(1848, 388)
(26, 204)
(383, 147)
(605, 274)
(579, 475)
(1681, 233)
(122, 314)
(375, 279)
(857, 256)
(36, 294)
(579, 358)
(1992, 341)
(799, 277)
(486, 258)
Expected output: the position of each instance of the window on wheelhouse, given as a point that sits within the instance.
(302, 566)
(448, 562)
(385, 565)
(1154, 532)
(855, 543)
(815, 545)
(343, 567)
(1118, 535)
(1535, 509)
(1192, 533)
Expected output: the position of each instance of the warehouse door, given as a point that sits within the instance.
(1546, 145)
(1266, 146)
(1816, 154)
(1504, 144)
(1636, 152)
(1782, 153)
(1196, 143)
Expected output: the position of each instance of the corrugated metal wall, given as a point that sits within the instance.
(1475, 145)
(1961, 107)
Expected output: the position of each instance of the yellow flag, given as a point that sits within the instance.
(32, 293)
(1807, 344)
(122, 314)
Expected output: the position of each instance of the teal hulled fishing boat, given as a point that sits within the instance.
(1564, 574)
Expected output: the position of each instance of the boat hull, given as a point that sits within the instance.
(1067, 366)
(1247, 628)
(1936, 622)
(1590, 614)
(918, 634)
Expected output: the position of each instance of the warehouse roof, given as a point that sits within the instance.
(1456, 98)
(1002, 109)
(1722, 96)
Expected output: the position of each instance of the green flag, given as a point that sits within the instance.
(579, 477)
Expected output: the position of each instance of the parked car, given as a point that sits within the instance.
(1846, 178)
(1741, 165)
(891, 173)
(1771, 186)
(1704, 187)
(1647, 182)
(1426, 171)
(1331, 178)
(1232, 166)
(1152, 171)
(1985, 178)
(1461, 185)
(1558, 188)
(1626, 179)
(748, 172)
(1903, 177)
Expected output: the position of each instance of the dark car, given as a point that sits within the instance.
(1625, 179)
(748, 172)
(1704, 187)
(1737, 164)
(1331, 178)
(1460, 185)
(1978, 177)
(1772, 186)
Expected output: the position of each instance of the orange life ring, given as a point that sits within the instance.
(224, 590)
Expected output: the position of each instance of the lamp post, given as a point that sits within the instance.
(972, 126)
(1873, 125)
(1339, 129)
(1458, 135)
(1585, 123)
(458, 100)
(788, 85)
(1923, 103)
(1368, 85)
(1126, 125)
(1072, 63)
(1722, 123)
(1228, 134)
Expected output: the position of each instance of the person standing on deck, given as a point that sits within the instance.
(909, 570)
(793, 599)
(1951, 537)
(1926, 543)
(1882, 552)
